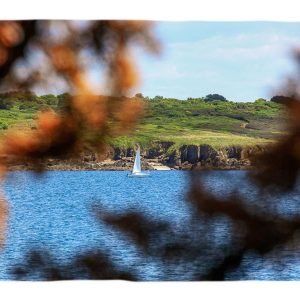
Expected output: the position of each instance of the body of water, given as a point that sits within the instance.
(57, 212)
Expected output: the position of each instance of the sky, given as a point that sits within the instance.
(242, 61)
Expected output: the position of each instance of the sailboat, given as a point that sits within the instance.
(137, 171)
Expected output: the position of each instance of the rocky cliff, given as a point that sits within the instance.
(203, 156)
(159, 154)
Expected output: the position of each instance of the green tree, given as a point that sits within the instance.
(63, 102)
(158, 97)
(260, 101)
(5, 103)
(49, 99)
(212, 97)
(139, 95)
(279, 99)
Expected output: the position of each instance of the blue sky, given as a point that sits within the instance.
(241, 60)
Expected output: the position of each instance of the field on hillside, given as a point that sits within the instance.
(195, 121)
(216, 123)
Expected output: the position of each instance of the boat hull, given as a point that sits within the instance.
(142, 174)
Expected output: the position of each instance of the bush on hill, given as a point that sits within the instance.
(212, 97)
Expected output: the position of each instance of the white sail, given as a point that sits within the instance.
(137, 162)
(137, 171)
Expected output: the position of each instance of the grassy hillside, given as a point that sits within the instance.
(193, 121)
(216, 123)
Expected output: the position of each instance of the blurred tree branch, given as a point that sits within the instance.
(90, 120)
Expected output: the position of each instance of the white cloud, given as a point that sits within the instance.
(247, 46)
(240, 66)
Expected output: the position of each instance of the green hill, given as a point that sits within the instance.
(217, 123)
(194, 121)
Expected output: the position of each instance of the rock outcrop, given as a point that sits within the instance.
(196, 156)
(189, 153)
(186, 157)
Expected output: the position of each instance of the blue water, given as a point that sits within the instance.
(56, 211)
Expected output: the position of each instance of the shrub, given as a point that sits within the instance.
(5, 104)
(3, 125)
(212, 97)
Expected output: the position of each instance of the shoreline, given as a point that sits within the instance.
(159, 157)
(103, 170)
(120, 165)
